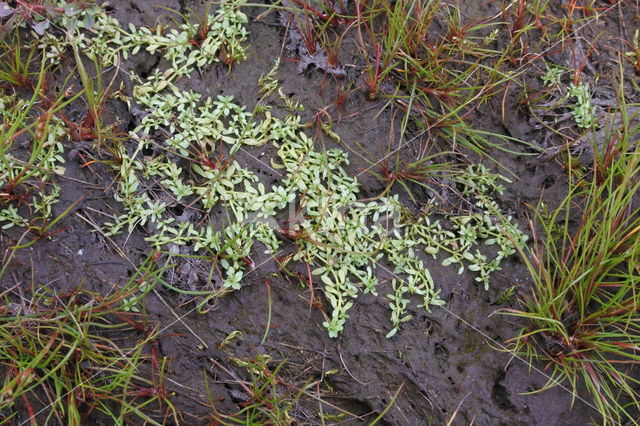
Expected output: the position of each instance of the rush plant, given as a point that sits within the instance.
(62, 357)
(583, 314)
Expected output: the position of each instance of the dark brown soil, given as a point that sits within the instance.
(445, 360)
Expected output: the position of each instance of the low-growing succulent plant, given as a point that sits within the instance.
(31, 156)
(583, 110)
(227, 209)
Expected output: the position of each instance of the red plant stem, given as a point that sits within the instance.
(36, 7)
(306, 7)
(312, 296)
(519, 19)
(30, 412)
(372, 82)
(578, 69)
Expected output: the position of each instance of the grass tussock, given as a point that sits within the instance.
(583, 314)
(67, 356)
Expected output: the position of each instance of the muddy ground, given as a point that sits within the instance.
(446, 360)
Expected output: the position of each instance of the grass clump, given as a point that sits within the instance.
(421, 56)
(269, 398)
(271, 395)
(583, 316)
(63, 357)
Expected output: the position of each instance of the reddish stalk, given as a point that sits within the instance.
(372, 80)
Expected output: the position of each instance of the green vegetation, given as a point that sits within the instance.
(270, 399)
(64, 356)
(180, 175)
(422, 59)
(329, 223)
(584, 310)
(26, 176)
(583, 111)
(340, 237)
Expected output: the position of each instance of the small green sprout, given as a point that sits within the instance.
(552, 77)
